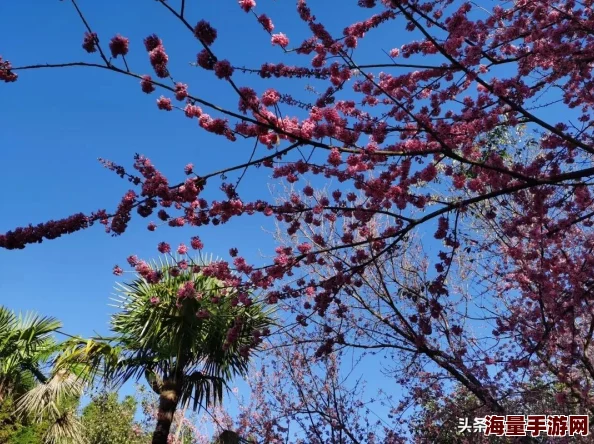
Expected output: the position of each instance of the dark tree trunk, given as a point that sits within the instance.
(168, 399)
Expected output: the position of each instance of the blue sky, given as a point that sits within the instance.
(56, 122)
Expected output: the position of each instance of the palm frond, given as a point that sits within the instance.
(203, 390)
(44, 399)
(90, 359)
(26, 346)
(67, 427)
(7, 321)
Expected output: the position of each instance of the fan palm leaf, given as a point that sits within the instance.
(26, 346)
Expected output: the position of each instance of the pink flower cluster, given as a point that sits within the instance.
(223, 69)
(270, 97)
(6, 75)
(205, 32)
(205, 60)
(181, 91)
(187, 291)
(146, 84)
(90, 42)
(280, 39)
(20, 237)
(266, 23)
(247, 5)
(119, 46)
(121, 218)
(157, 55)
(164, 103)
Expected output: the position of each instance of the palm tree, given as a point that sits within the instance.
(27, 346)
(187, 335)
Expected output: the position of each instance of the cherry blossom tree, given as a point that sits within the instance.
(302, 398)
(482, 263)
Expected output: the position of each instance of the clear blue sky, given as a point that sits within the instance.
(55, 123)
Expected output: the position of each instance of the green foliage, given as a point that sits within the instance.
(26, 345)
(14, 431)
(107, 420)
(8, 423)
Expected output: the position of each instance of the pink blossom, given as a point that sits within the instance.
(334, 158)
(280, 39)
(181, 91)
(443, 225)
(266, 22)
(203, 314)
(270, 97)
(164, 248)
(196, 243)
(6, 75)
(90, 42)
(187, 290)
(121, 218)
(223, 69)
(429, 173)
(205, 60)
(205, 33)
(119, 46)
(133, 260)
(164, 103)
(247, 5)
(159, 58)
(146, 84)
(350, 41)
(304, 248)
(192, 111)
(395, 52)
(151, 42)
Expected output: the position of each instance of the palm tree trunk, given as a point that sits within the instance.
(168, 399)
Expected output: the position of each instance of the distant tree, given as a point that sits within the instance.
(107, 420)
(13, 430)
